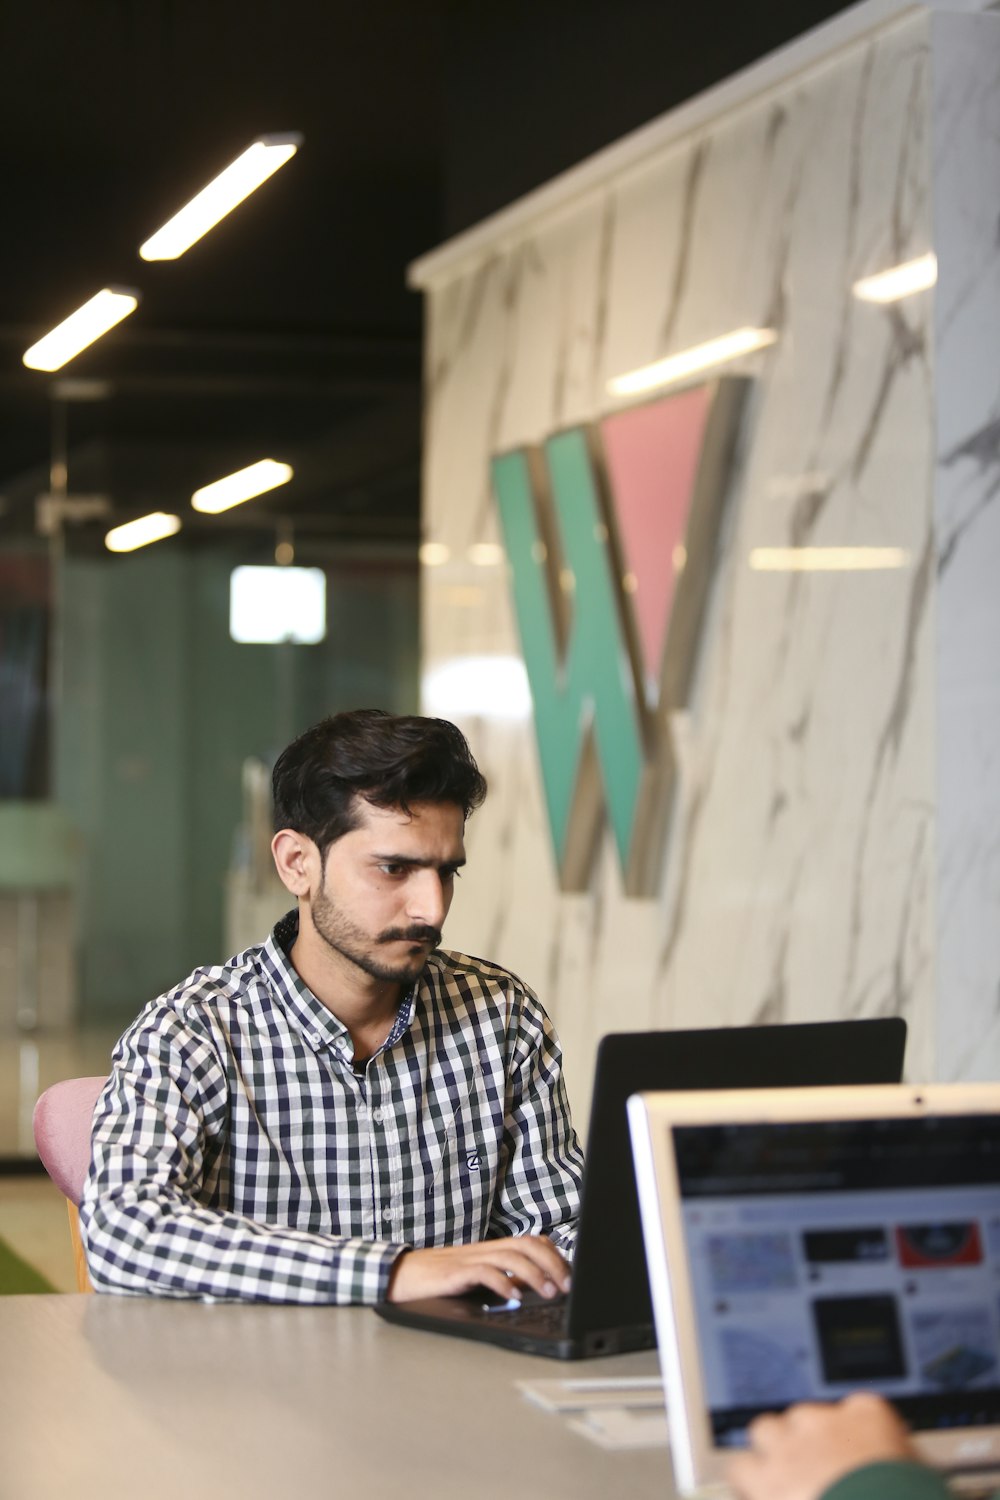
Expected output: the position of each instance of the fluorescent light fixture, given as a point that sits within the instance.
(139, 533)
(827, 559)
(690, 361)
(233, 489)
(272, 604)
(486, 687)
(433, 554)
(256, 164)
(899, 281)
(106, 308)
(486, 554)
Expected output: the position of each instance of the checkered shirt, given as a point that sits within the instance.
(237, 1155)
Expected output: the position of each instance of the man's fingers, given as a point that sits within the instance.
(801, 1453)
(532, 1261)
(496, 1281)
(743, 1474)
(763, 1432)
(502, 1265)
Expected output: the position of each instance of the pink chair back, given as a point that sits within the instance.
(61, 1123)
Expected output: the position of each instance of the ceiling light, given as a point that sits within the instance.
(233, 489)
(690, 361)
(81, 328)
(257, 163)
(140, 533)
(898, 281)
(827, 559)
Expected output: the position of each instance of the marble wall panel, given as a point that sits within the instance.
(966, 112)
(798, 880)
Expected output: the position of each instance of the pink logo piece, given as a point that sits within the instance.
(652, 454)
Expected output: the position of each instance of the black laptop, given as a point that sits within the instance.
(608, 1308)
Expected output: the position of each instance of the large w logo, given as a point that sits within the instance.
(611, 534)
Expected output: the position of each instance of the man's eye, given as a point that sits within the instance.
(392, 869)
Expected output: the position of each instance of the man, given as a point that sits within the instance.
(857, 1449)
(346, 1113)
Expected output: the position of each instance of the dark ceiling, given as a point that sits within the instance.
(288, 331)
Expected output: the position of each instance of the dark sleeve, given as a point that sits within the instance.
(890, 1481)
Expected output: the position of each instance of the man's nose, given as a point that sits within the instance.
(428, 898)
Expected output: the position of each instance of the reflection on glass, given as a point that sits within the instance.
(690, 361)
(827, 559)
(899, 281)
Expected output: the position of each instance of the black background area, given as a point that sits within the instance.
(859, 1339)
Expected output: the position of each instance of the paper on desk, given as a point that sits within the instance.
(588, 1393)
(623, 1427)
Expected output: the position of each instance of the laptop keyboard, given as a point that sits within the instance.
(546, 1317)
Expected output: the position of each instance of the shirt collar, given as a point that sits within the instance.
(317, 1024)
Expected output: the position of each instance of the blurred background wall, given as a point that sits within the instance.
(835, 806)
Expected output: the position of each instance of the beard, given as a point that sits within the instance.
(363, 950)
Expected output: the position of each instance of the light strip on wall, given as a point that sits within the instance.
(690, 361)
(827, 559)
(434, 554)
(106, 308)
(486, 554)
(898, 281)
(139, 533)
(218, 198)
(233, 489)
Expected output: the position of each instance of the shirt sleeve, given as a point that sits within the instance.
(540, 1181)
(144, 1223)
(890, 1481)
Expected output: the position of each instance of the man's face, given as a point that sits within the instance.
(387, 885)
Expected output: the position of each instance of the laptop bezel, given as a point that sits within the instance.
(698, 1462)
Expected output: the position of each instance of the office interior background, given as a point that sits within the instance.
(496, 213)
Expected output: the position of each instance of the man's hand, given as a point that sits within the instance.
(502, 1265)
(800, 1454)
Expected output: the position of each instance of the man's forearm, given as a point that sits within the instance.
(147, 1243)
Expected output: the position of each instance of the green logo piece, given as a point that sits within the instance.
(588, 722)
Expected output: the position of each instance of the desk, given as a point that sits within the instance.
(120, 1398)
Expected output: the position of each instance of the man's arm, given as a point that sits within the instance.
(144, 1226)
(858, 1449)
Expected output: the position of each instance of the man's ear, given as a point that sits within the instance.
(296, 859)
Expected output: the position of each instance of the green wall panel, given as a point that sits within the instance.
(157, 711)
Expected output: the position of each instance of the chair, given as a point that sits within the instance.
(61, 1125)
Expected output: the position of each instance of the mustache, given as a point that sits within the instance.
(419, 934)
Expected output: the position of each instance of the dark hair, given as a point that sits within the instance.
(390, 760)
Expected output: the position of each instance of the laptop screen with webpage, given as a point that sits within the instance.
(806, 1245)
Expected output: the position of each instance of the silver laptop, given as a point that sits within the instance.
(806, 1243)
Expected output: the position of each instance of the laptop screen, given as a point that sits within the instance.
(827, 1256)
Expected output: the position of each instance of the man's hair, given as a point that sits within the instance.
(389, 760)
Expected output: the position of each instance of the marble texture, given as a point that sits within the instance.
(828, 855)
(966, 106)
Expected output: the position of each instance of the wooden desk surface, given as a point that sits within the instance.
(119, 1398)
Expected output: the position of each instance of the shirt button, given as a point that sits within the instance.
(377, 1116)
(388, 1214)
